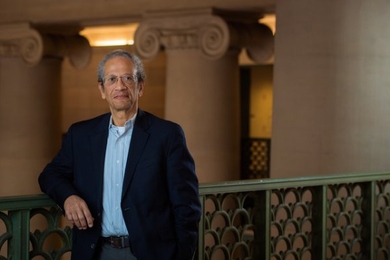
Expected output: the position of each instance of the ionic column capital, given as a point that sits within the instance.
(212, 33)
(32, 45)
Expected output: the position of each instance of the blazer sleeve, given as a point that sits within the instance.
(56, 179)
(183, 187)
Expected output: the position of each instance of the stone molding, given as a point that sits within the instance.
(210, 33)
(32, 45)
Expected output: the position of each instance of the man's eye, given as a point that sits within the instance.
(128, 78)
(111, 79)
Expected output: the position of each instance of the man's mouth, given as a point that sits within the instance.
(120, 96)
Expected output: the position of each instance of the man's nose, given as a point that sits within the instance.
(120, 84)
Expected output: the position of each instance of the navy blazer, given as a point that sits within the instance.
(160, 202)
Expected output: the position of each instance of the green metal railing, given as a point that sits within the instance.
(324, 217)
(19, 215)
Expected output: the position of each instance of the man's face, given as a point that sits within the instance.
(118, 88)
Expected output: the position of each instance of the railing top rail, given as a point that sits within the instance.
(25, 202)
(306, 181)
(42, 200)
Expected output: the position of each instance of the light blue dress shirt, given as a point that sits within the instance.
(118, 145)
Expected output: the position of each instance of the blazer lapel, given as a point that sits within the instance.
(138, 142)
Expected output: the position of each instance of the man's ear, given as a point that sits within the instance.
(141, 89)
(101, 89)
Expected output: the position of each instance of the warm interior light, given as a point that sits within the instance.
(270, 21)
(110, 35)
(113, 42)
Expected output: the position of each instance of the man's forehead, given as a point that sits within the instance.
(119, 64)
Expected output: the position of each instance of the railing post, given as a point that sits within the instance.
(368, 219)
(262, 220)
(319, 225)
(18, 247)
(200, 252)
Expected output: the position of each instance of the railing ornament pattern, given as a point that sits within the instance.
(38, 239)
(345, 216)
(229, 226)
(291, 223)
(381, 220)
(33, 229)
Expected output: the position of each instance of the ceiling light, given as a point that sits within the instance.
(110, 35)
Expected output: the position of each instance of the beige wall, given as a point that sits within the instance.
(331, 92)
(29, 124)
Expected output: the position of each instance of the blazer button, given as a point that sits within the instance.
(92, 246)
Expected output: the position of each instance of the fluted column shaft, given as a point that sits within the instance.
(202, 90)
(206, 104)
(30, 76)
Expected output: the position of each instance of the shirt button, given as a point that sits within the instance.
(92, 246)
(117, 161)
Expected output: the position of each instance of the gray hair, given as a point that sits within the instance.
(139, 69)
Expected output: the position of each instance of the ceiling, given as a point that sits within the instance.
(101, 21)
(103, 12)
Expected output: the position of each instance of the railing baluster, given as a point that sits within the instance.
(19, 243)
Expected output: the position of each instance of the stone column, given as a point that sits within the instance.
(30, 73)
(202, 88)
(331, 88)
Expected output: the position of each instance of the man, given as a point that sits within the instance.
(126, 179)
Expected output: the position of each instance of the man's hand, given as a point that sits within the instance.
(77, 212)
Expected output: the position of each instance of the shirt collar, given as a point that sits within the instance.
(128, 124)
